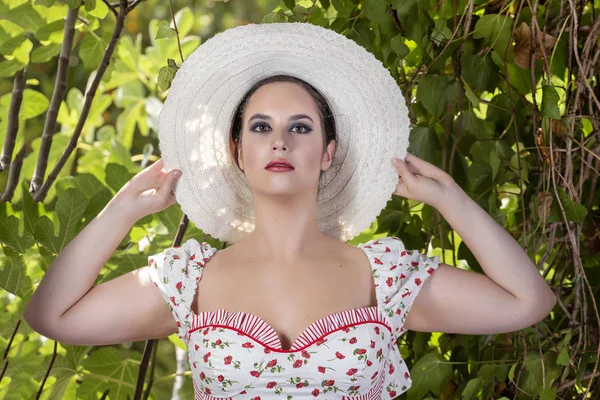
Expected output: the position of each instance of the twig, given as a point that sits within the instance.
(60, 88)
(176, 30)
(89, 96)
(12, 126)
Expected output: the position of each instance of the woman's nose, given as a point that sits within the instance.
(280, 141)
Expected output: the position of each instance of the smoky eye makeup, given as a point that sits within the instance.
(296, 128)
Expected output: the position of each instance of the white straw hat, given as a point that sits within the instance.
(370, 114)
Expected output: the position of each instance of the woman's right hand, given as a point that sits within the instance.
(149, 191)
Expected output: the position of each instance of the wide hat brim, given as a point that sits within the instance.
(370, 113)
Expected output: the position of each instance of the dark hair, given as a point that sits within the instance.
(327, 119)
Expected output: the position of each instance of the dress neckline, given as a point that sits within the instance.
(274, 335)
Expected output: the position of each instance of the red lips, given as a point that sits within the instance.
(279, 162)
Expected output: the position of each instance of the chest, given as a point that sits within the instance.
(288, 297)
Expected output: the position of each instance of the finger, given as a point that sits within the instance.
(169, 184)
(423, 167)
(404, 172)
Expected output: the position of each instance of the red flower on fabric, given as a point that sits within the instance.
(220, 378)
(272, 363)
(321, 369)
(255, 373)
(179, 285)
(271, 385)
(202, 376)
(196, 346)
(393, 267)
(315, 392)
(351, 371)
(175, 256)
(305, 354)
(352, 340)
(377, 261)
(173, 300)
(392, 394)
(227, 360)
(375, 374)
(403, 254)
(320, 341)
(207, 390)
(406, 375)
(406, 294)
(377, 330)
(417, 281)
(267, 351)
(402, 276)
(369, 363)
(192, 257)
(218, 342)
(339, 355)
(299, 385)
(372, 344)
(247, 345)
(379, 352)
(297, 364)
(387, 249)
(354, 387)
(329, 382)
(361, 351)
(414, 263)
(430, 271)
(206, 356)
(389, 281)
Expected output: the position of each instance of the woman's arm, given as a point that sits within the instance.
(510, 296)
(65, 305)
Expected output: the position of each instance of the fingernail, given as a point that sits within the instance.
(177, 174)
(396, 161)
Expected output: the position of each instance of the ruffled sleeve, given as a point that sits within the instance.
(176, 272)
(399, 276)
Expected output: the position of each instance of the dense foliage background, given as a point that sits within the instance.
(503, 95)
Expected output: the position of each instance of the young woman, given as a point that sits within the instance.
(289, 309)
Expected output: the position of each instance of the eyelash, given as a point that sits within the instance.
(306, 128)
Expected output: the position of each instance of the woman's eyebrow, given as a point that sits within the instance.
(293, 117)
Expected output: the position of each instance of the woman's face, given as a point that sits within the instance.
(281, 121)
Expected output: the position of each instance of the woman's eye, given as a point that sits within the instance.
(254, 128)
(306, 129)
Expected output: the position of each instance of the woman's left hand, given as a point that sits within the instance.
(422, 181)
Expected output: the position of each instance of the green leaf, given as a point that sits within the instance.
(8, 46)
(495, 29)
(165, 30)
(469, 92)
(550, 99)
(10, 68)
(574, 211)
(117, 176)
(548, 394)
(100, 11)
(92, 50)
(109, 370)
(481, 72)
(24, 16)
(511, 372)
(473, 389)
(376, 10)
(441, 34)
(44, 54)
(429, 373)
(90, 5)
(273, 17)
(435, 92)
(494, 163)
(45, 3)
(397, 44)
(69, 210)
(73, 4)
(289, 4)
(165, 77)
(13, 277)
(46, 31)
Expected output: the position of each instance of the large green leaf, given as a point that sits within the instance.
(108, 369)
(429, 374)
(436, 91)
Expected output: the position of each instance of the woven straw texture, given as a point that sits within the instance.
(370, 115)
